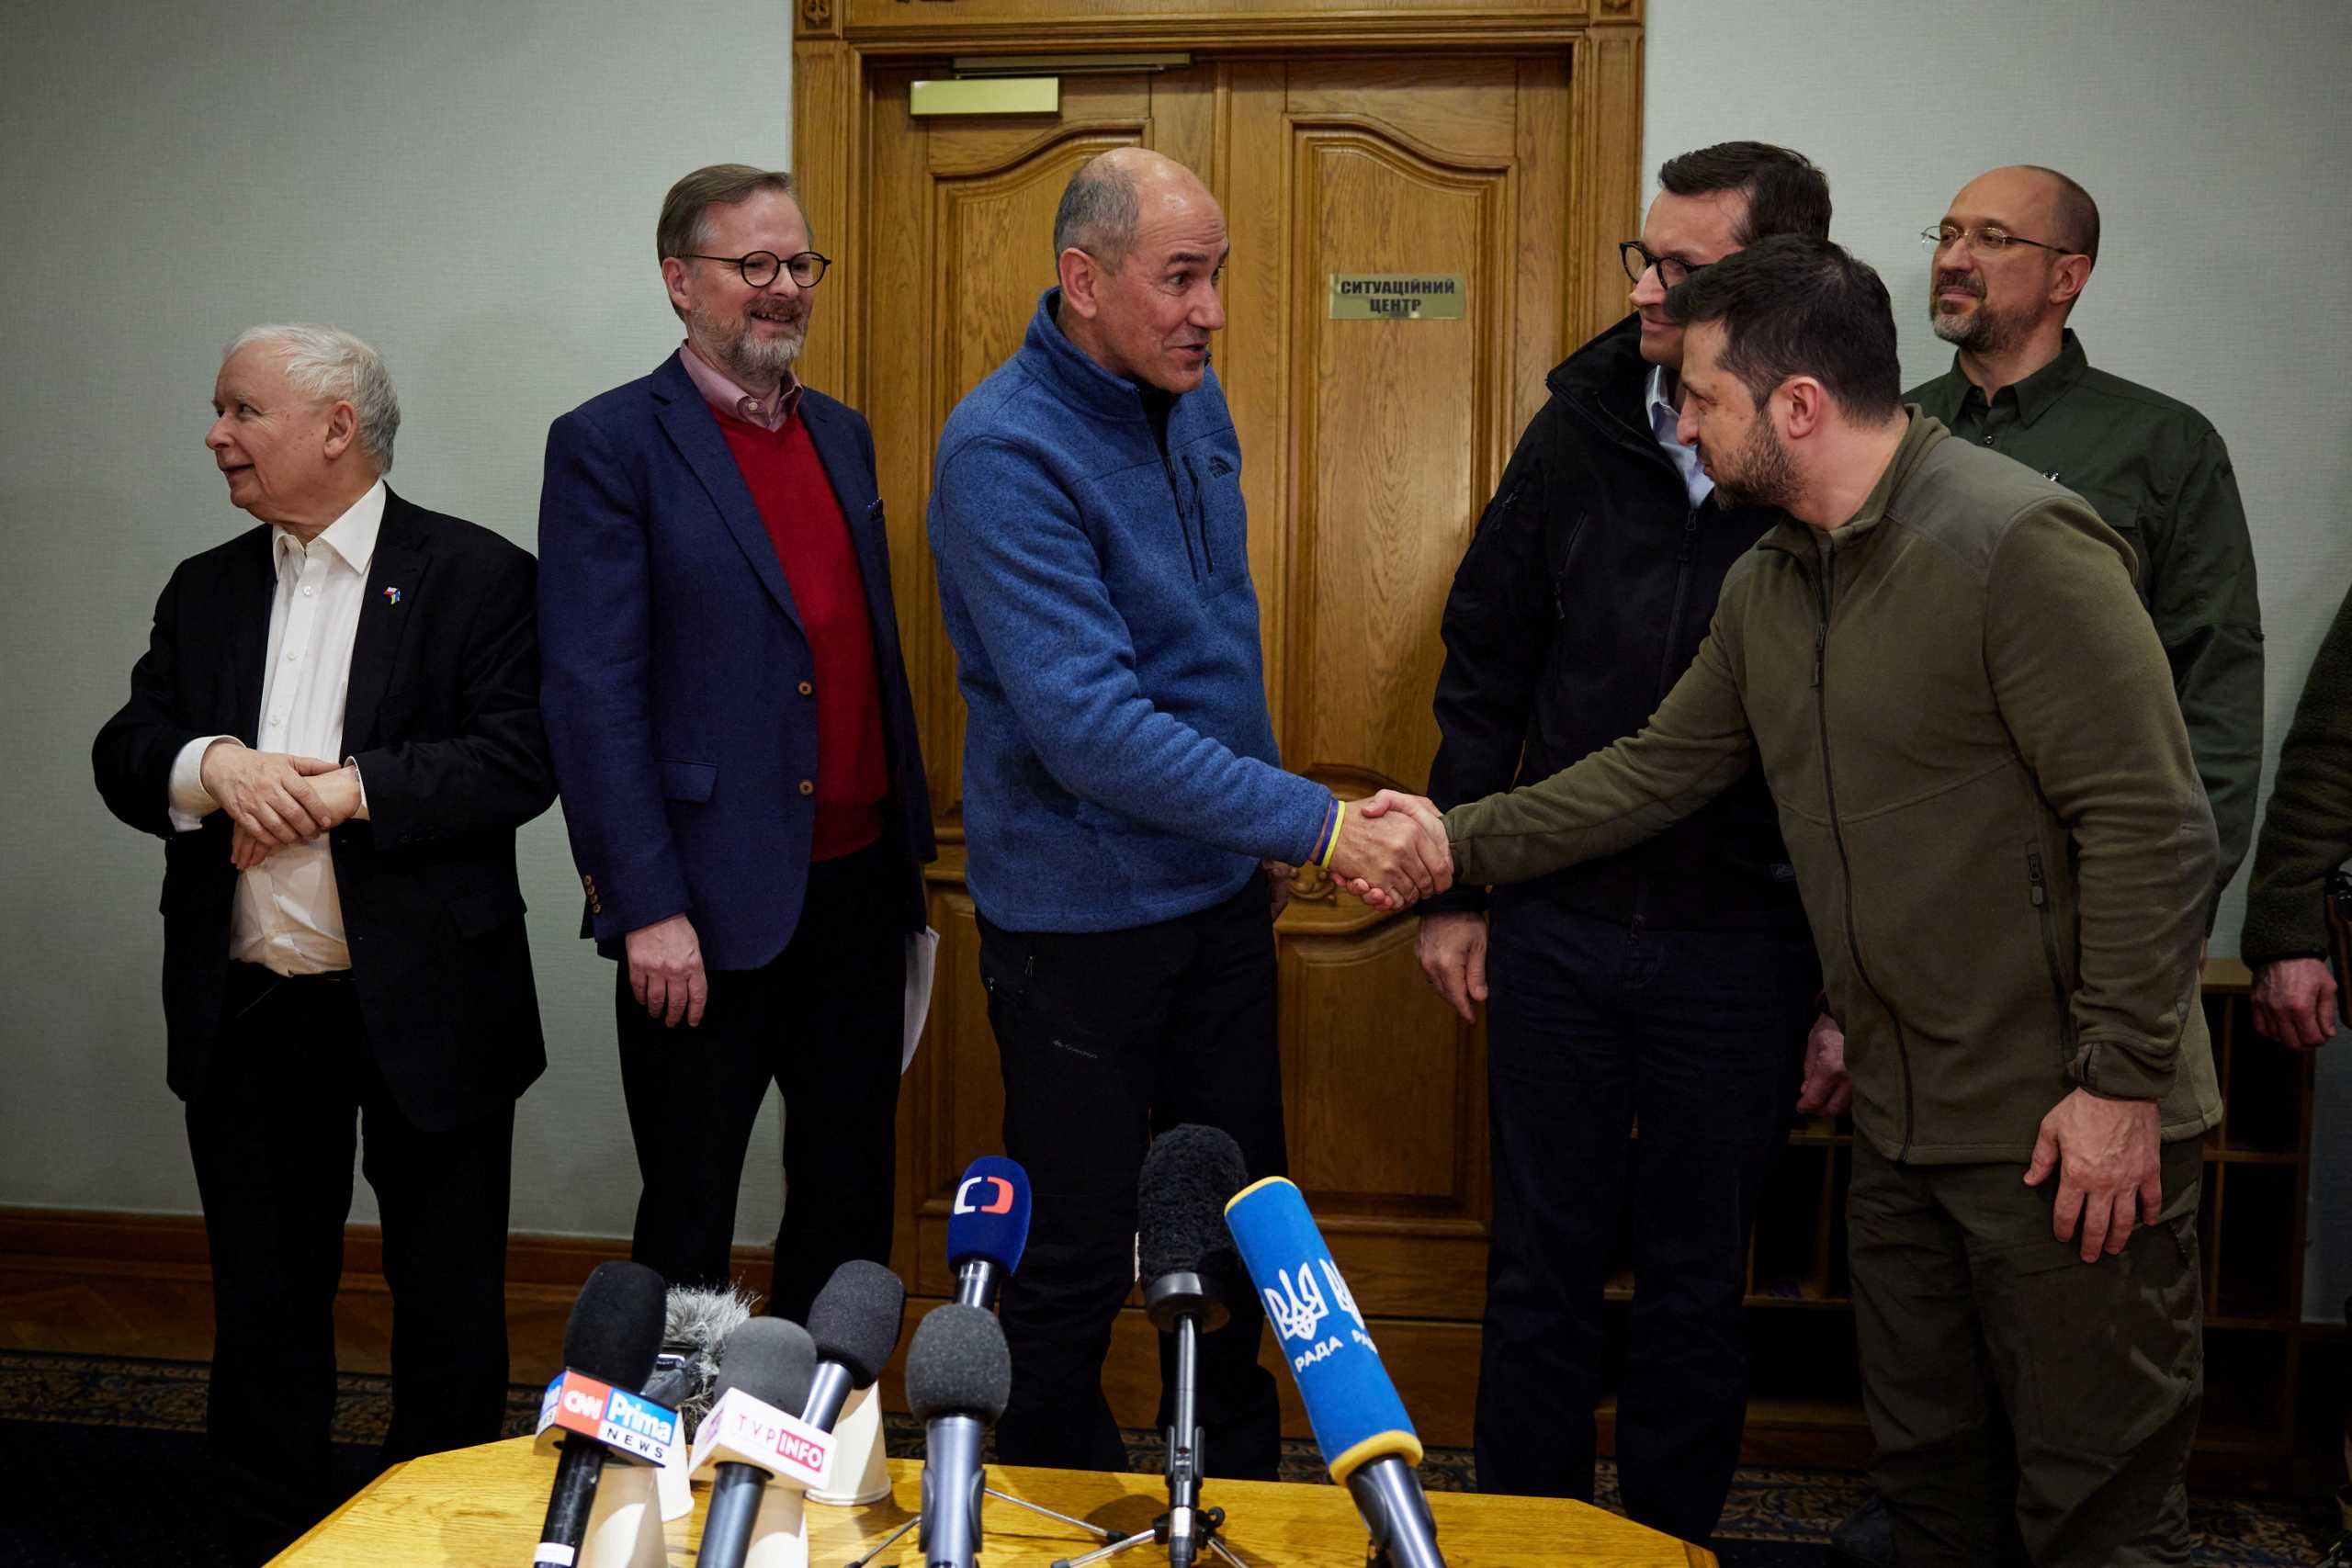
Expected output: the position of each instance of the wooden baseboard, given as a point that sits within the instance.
(1434, 1363)
(111, 1242)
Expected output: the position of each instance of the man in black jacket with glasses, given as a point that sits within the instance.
(1670, 986)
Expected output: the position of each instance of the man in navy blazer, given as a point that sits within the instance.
(735, 740)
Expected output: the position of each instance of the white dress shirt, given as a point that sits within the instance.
(287, 916)
(1663, 421)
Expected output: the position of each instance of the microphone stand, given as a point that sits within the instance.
(1388, 1494)
(1184, 1305)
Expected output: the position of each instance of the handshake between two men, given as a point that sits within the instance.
(1391, 849)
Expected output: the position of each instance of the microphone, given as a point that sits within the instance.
(610, 1339)
(772, 1362)
(854, 1323)
(696, 1320)
(959, 1375)
(1189, 1271)
(986, 1228)
(1359, 1424)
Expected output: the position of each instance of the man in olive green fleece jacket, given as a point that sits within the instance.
(1969, 730)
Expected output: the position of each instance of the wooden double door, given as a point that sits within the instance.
(1369, 447)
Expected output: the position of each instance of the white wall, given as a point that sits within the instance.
(472, 189)
(2212, 137)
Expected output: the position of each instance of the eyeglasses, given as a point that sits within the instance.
(759, 268)
(1985, 242)
(1638, 259)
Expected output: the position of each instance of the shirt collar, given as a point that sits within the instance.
(2040, 392)
(1660, 397)
(723, 393)
(351, 537)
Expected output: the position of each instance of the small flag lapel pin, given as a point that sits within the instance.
(391, 595)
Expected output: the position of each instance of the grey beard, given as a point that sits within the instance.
(753, 359)
(1983, 332)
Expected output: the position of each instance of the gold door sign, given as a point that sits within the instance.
(1396, 295)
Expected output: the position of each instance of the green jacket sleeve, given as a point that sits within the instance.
(2308, 829)
(2084, 687)
(1696, 746)
(2201, 597)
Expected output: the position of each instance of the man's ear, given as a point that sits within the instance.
(2070, 276)
(1807, 401)
(674, 278)
(1081, 279)
(343, 429)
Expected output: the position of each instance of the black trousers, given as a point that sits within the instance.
(272, 1137)
(1105, 1038)
(822, 1021)
(1591, 1027)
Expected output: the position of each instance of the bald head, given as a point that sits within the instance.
(1140, 244)
(2041, 204)
(1108, 200)
(2074, 215)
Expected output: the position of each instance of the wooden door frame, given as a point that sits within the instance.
(835, 39)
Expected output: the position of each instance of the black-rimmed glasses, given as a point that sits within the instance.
(759, 268)
(1639, 258)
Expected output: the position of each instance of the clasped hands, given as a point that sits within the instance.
(1392, 849)
(275, 799)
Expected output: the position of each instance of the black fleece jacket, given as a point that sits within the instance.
(1584, 593)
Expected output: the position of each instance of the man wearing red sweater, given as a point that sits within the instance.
(735, 741)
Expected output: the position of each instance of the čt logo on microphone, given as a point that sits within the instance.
(1001, 1200)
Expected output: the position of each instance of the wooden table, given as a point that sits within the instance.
(481, 1509)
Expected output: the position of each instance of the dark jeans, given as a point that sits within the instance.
(823, 1021)
(272, 1138)
(2029, 1406)
(1592, 1028)
(1107, 1037)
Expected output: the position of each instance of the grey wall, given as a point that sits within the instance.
(2213, 137)
(472, 189)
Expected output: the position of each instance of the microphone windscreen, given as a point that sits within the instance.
(854, 1319)
(958, 1365)
(989, 1218)
(697, 1321)
(1349, 1401)
(1188, 1175)
(770, 1359)
(614, 1330)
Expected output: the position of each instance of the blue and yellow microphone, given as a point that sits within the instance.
(1359, 1424)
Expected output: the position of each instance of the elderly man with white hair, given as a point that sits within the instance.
(335, 732)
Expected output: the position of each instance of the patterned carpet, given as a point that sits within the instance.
(96, 1420)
